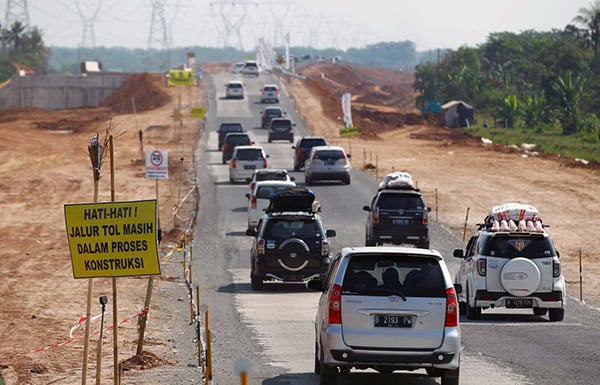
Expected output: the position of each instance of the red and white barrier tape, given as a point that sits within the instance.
(73, 339)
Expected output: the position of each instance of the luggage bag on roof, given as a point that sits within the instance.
(399, 180)
(292, 199)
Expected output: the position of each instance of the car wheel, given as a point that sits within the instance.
(270, 140)
(346, 180)
(423, 245)
(434, 372)
(308, 181)
(473, 313)
(296, 168)
(317, 368)
(462, 308)
(328, 375)
(224, 161)
(450, 376)
(257, 283)
(231, 180)
(556, 315)
(540, 311)
(292, 140)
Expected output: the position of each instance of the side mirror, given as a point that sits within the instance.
(250, 232)
(293, 178)
(348, 156)
(315, 285)
(293, 147)
(366, 208)
(330, 233)
(428, 209)
(458, 253)
(247, 195)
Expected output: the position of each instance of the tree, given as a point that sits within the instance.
(570, 91)
(14, 36)
(589, 18)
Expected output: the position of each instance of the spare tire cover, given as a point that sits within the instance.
(294, 254)
(520, 277)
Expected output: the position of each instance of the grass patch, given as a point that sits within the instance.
(548, 140)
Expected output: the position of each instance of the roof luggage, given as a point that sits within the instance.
(514, 217)
(294, 199)
(399, 180)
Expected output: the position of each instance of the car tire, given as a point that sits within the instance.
(317, 368)
(327, 375)
(556, 315)
(369, 242)
(423, 245)
(270, 140)
(473, 313)
(308, 181)
(450, 376)
(296, 168)
(256, 282)
(462, 308)
(224, 161)
(346, 180)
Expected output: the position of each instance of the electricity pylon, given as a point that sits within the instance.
(16, 10)
(158, 26)
(88, 37)
(233, 14)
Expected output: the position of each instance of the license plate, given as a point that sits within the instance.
(392, 321)
(401, 221)
(519, 303)
(249, 167)
(330, 163)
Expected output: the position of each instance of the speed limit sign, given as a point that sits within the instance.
(157, 164)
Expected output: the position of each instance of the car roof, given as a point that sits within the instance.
(271, 171)
(243, 133)
(235, 82)
(270, 85)
(428, 253)
(275, 183)
(249, 147)
(322, 148)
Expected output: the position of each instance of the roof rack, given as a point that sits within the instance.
(398, 180)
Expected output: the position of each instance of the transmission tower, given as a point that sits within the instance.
(279, 11)
(88, 13)
(158, 26)
(313, 22)
(16, 10)
(233, 14)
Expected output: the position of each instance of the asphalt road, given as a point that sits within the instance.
(274, 329)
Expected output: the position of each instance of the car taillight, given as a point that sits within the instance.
(482, 267)
(556, 268)
(224, 147)
(376, 215)
(451, 308)
(425, 217)
(252, 186)
(324, 247)
(264, 162)
(335, 305)
(253, 202)
(233, 163)
(261, 246)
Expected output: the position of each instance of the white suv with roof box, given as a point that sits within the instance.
(511, 262)
(387, 308)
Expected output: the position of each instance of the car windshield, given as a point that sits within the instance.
(285, 228)
(330, 155)
(512, 247)
(250, 154)
(382, 275)
(265, 192)
(309, 143)
(399, 202)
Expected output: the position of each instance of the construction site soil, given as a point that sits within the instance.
(46, 165)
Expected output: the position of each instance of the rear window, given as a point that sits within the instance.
(270, 89)
(293, 228)
(281, 123)
(399, 202)
(271, 176)
(265, 192)
(379, 274)
(273, 112)
(237, 139)
(249, 154)
(309, 143)
(231, 128)
(234, 85)
(330, 155)
(512, 247)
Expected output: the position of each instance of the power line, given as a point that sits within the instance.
(233, 14)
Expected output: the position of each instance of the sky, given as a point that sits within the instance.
(342, 24)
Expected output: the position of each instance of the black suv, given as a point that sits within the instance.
(226, 128)
(397, 216)
(281, 129)
(233, 139)
(303, 147)
(290, 243)
(270, 113)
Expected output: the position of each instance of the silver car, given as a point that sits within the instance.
(327, 163)
(387, 309)
(234, 89)
(244, 160)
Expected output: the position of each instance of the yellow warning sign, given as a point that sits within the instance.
(181, 78)
(197, 112)
(114, 239)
